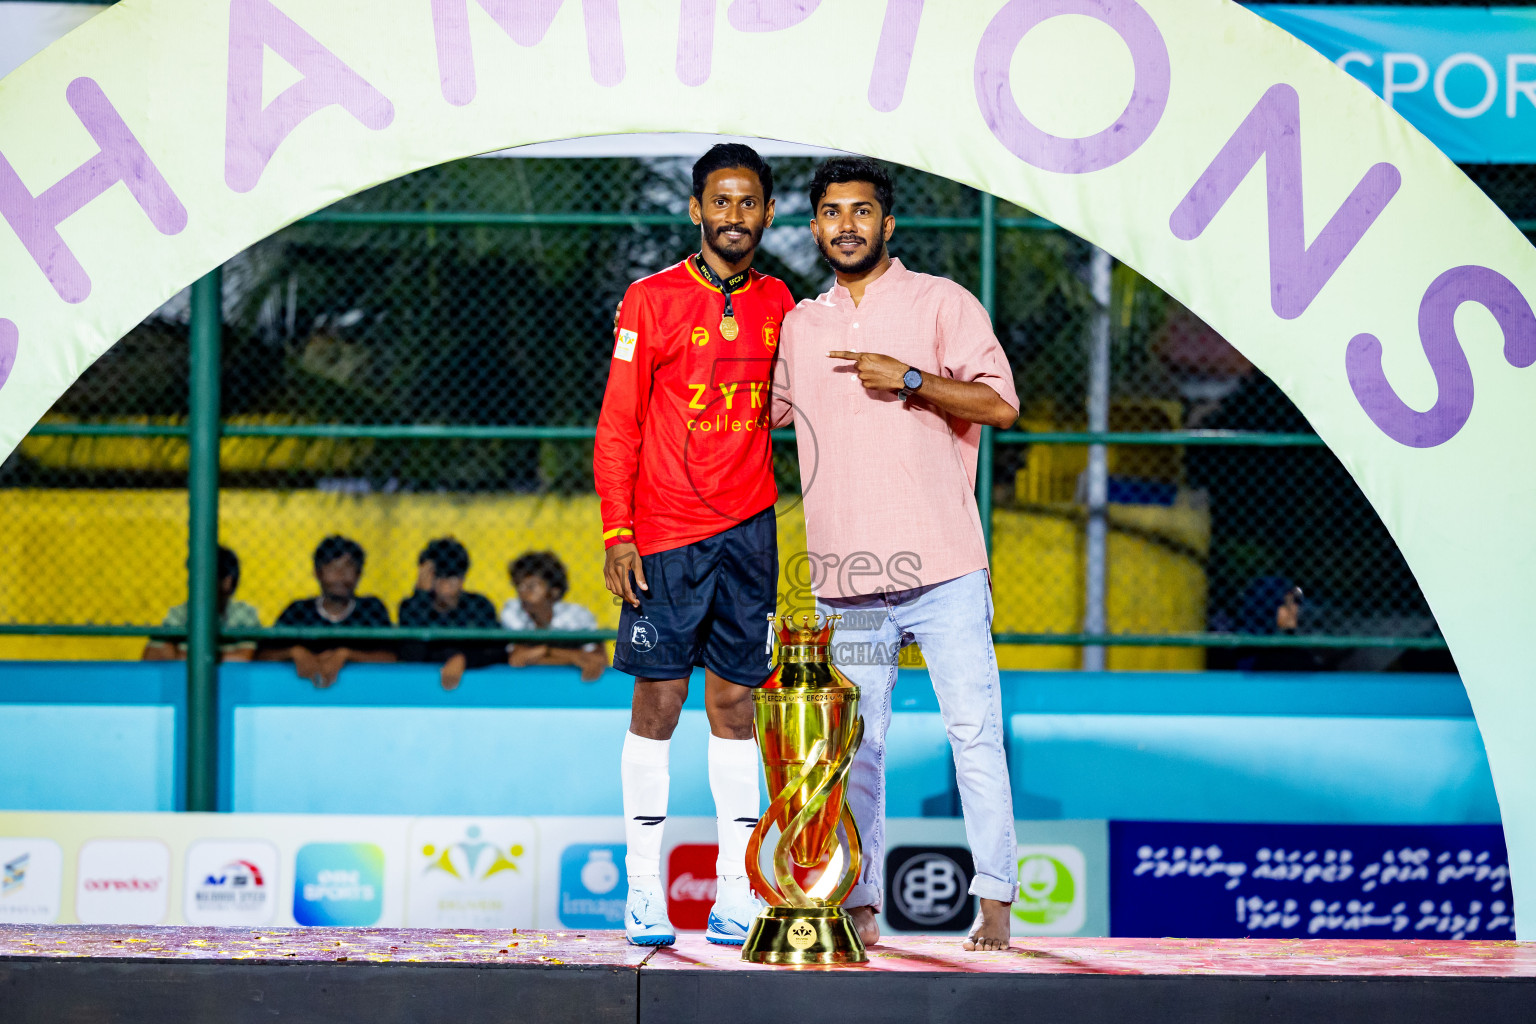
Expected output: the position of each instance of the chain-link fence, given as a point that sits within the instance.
(427, 359)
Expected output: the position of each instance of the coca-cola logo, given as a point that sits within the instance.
(122, 884)
(691, 884)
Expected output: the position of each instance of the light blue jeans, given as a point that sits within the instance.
(952, 623)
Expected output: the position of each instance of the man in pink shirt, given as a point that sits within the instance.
(890, 377)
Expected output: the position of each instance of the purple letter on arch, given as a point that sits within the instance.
(10, 341)
(893, 57)
(696, 29)
(252, 134)
(994, 91)
(695, 41)
(36, 219)
(1453, 375)
(1297, 271)
(526, 22)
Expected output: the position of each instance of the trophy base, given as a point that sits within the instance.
(796, 936)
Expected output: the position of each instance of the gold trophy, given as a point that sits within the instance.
(808, 728)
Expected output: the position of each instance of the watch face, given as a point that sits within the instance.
(913, 379)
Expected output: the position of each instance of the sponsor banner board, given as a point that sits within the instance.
(260, 870)
(1216, 880)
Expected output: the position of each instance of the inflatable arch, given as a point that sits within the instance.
(1358, 268)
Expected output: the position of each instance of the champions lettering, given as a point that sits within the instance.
(254, 133)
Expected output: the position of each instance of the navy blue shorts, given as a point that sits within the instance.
(708, 605)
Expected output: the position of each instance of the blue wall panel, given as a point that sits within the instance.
(1251, 768)
(388, 740)
(87, 757)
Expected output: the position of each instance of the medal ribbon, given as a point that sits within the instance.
(726, 286)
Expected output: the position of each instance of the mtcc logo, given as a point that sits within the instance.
(643, 636)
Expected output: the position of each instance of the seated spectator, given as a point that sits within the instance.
(232, 615)
(441, 602)
(338, 568)
(540, 579)
(1271, 606)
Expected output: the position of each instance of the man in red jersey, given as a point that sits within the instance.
(684, 470)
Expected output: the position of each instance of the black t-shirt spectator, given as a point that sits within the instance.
(367, 612)
(474, 611)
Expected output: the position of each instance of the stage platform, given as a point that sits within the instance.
(382, 976)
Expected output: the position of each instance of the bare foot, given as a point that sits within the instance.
(990, 932)
(865, 924)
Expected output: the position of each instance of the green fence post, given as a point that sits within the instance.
(989, 301)
(201, 729)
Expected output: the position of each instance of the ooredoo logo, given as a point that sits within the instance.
(928, 888)
(123, 881)
(31, 881)
(230, 882)
(691, 884)
(338, 884)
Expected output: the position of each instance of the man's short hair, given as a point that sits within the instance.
(336, 546)
(447, 556)
(731, 154)
(840, 170)
(541, 563)
(229, 565)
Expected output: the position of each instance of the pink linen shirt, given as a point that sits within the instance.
(889, 486)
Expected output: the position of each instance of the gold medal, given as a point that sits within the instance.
(728, 328)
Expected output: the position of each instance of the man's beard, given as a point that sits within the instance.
(864, 265)
(733, 252)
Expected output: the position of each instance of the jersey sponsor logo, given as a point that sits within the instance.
(625, 349)
(643, 636)
(700, 336)
(771, 335)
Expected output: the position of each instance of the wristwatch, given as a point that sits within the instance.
(910, 382)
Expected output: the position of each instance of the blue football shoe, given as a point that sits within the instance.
(736, 907)
(645, 917)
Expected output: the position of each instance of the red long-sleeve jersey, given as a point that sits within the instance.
(682, 447)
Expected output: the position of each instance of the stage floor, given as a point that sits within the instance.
(63, 973)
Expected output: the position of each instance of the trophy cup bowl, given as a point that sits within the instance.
(808, 728)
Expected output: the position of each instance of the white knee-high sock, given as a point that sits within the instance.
(733, 772)
(643, 769)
